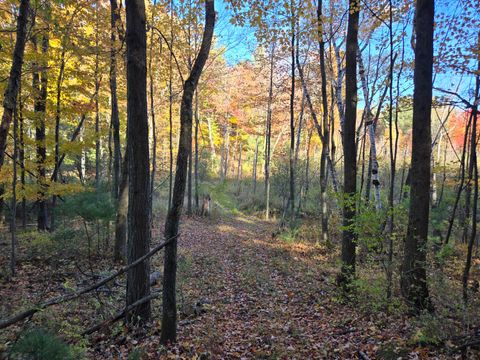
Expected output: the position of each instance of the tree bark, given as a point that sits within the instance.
(119, 253)
(413, 275)
(349, 150)
(138, 243)
(169, 315)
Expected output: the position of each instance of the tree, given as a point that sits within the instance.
(138, 243)
(117, 155)
(349, 149)
(10, 98)
(169, 316)
(414, 276)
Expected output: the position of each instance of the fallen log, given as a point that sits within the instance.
(121, 314)
(60, 299)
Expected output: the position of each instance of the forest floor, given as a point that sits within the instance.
(243, 293)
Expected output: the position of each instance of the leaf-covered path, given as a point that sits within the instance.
(245, 294)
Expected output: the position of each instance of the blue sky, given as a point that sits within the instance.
(240, 42)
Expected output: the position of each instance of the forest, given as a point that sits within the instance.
(227, 179)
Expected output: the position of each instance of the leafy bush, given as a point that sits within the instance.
(38, 344)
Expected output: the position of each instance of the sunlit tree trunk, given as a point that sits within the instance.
(169, 305)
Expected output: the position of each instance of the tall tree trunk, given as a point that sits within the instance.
(21, 155)
(138, 243)
(292, 117)
(268, 135)
(170, 111)
(326, 129)
(13, 224)
(197, 124)
(97, 110)
(40, 83)
(152, 114)
(371, 124)
(10, 97)
(414, 276)
(117, 154)
(473, 160)
(349, 150)
(169, 315)
(57, 135)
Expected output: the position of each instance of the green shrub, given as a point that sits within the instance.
(430, 330)
(38, 344)
(90, 206)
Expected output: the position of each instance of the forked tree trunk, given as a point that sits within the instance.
(169, 315)
(413, 275)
